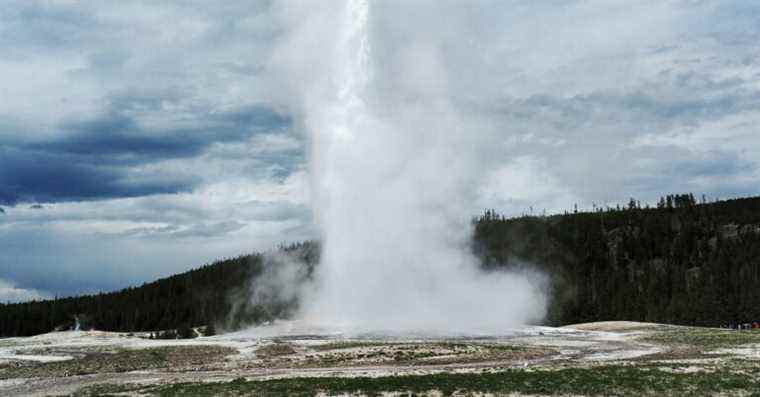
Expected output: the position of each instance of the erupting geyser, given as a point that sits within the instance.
(392, 165)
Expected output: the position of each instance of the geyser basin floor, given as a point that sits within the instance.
(599, 358)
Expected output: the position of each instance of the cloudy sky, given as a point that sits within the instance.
(139, 139)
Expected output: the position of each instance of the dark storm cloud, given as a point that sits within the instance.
(94, 158)
(117, 138)
(38, 176)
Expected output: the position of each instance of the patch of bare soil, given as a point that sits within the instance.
(275, 350)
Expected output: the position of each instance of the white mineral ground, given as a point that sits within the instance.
(576, 345)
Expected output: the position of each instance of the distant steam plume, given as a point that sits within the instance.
(392, 165)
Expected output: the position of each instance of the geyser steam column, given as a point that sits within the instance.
(391, 164)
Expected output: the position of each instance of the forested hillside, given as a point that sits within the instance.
(219, 294)
(680, 262)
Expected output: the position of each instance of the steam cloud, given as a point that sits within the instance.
(392, 163)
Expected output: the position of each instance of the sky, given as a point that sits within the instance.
(140, 139)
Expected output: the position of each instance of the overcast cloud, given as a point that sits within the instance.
(139, 139)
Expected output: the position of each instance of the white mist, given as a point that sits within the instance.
(391, 164)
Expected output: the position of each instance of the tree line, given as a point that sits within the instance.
(681, 261)
(217, 295)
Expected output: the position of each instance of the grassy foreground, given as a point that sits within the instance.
(706, 338)
(605, 380)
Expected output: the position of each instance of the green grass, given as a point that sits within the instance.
(108, 390)
(607, 380)
(711, 338)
